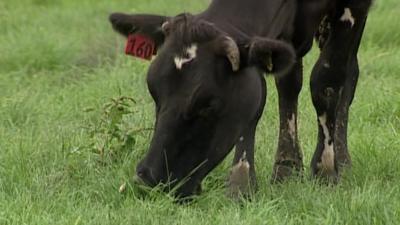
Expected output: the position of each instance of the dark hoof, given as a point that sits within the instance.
(285, 169)
(324, 175)
(344, 163)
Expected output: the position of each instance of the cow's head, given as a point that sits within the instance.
(207, 90)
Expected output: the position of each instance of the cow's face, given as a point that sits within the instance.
(205, 98)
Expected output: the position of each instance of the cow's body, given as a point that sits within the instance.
(253, 25)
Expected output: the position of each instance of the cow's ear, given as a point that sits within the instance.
(273, 56)
(149, 25)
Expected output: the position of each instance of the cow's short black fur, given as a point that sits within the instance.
(211, 102)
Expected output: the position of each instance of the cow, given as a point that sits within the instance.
(207, 82)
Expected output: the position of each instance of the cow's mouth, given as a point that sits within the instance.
(180, 189)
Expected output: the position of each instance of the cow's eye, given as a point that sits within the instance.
(205, 112)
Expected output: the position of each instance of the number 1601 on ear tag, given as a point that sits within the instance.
(140, 46)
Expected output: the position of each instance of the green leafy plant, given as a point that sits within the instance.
(112, 135)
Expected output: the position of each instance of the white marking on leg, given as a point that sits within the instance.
(239, 179)
(348, 17)
(328, 154)
(243, 163)
(190, 54)
(292, 128)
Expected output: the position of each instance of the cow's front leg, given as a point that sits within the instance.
(333, 83)
(289, 158)
(242, 179)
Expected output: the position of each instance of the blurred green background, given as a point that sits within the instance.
(63, 154)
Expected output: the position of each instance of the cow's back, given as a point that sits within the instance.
(266, 18)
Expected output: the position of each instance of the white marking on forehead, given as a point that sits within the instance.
(327, 65)
(241, 138)
(328, 155)
(179, 62)
(192, 51)
(292, 127)
(191, 54)
(348, 17)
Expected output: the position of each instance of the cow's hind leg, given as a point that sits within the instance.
(333, 84)
(289, 158)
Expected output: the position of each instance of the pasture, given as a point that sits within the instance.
(60, 63)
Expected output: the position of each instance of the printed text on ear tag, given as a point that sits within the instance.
(140, 46)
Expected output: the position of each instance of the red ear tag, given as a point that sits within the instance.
(140, 46)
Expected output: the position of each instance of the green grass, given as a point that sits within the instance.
(58, 58)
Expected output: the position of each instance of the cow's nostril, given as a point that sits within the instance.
(140, 174)
(144, 174)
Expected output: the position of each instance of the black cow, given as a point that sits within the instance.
(208, 86)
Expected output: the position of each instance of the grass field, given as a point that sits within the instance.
(60, 62)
